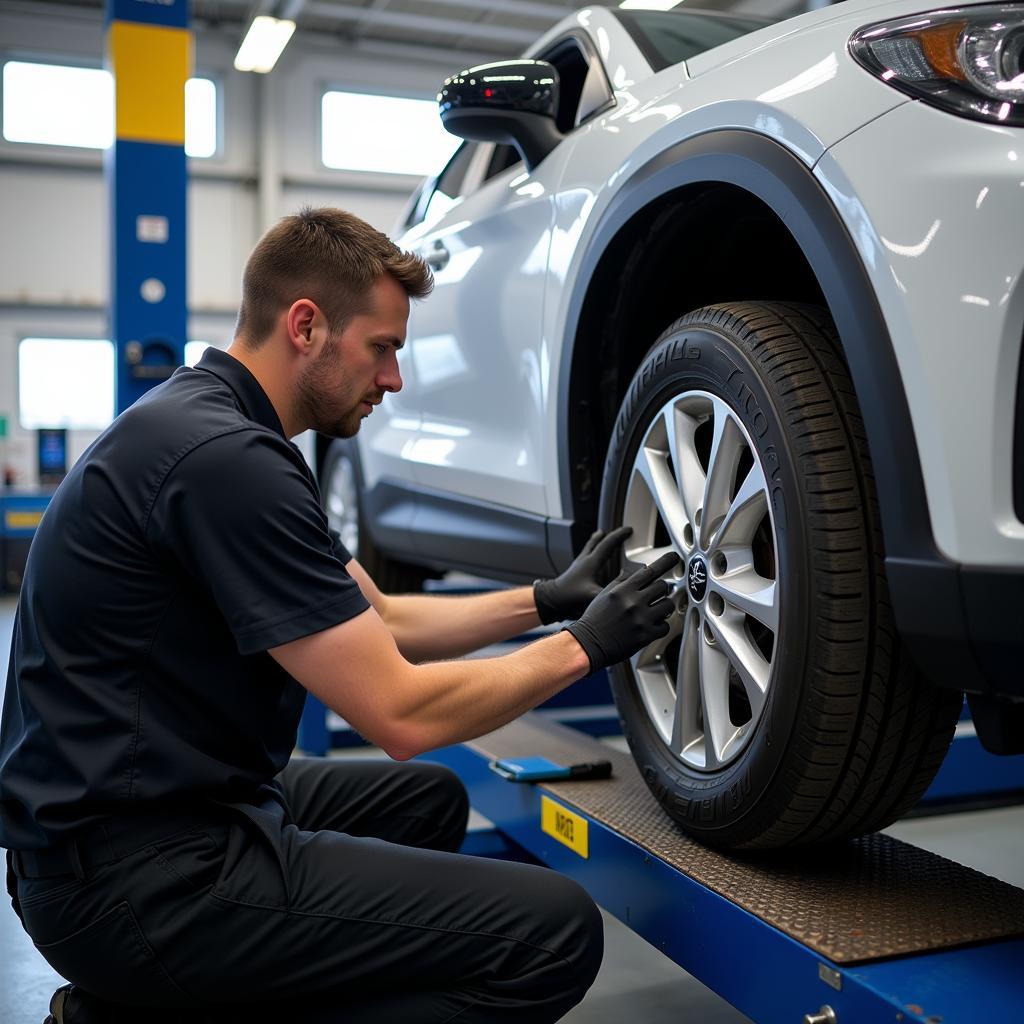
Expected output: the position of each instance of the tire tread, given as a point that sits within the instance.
(872, 732)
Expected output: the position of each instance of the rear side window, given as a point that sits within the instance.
(502, 159)
(583, 86)
(671, 37)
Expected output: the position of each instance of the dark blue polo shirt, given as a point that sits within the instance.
(184, 543)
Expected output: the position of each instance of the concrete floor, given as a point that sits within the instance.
(636, 982)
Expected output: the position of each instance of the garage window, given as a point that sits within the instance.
(65, 382)
(69, 382)
(383, 134)
(57, 105)
(194, 351)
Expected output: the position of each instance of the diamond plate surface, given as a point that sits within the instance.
(853, 902)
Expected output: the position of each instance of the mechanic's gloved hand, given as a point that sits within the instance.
(627, 615)
(567, 596)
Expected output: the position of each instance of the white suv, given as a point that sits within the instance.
(754, 290)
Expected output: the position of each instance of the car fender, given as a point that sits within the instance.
(785, 183)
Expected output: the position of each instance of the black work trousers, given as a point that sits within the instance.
(348, 907)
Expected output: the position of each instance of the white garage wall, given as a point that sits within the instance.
(53, 204)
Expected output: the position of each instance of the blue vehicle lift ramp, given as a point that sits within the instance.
(853, 933)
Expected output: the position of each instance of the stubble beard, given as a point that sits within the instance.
(321, 405)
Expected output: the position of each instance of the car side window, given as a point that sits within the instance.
(584, 85)
(502, 159)
(438, 200)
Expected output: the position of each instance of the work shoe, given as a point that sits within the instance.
(70, 1005)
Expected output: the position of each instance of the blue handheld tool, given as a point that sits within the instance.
(540, 769)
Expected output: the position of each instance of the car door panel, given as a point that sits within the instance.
(475, 344)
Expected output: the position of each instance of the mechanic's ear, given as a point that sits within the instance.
(302, 318)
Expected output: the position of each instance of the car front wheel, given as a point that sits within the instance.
(781, 709)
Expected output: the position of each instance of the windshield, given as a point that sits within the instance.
(670, 37)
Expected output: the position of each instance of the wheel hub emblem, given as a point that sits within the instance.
(697, 579)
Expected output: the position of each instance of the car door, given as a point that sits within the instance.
(385, 436)
(476, 344)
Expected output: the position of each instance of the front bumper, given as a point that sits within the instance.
(963, 626)
(933, 203)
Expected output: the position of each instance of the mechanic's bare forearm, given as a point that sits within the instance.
(452, 701)
(429, 627)
(357, 670)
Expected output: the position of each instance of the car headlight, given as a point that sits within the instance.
(968, 60)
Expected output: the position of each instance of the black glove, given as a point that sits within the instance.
(567, 596)
(627, 615)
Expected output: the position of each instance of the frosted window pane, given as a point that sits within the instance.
(58, 105)
(65, 383)
(194, 351)
(200, 117)
(67, 106)
(383, 133)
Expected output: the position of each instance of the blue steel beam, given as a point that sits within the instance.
(970, 772)
(149, 51)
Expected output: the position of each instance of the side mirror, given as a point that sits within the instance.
(512, 102)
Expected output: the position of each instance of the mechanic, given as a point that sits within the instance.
(182, 593)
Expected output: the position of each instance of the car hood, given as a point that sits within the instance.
(856, 12)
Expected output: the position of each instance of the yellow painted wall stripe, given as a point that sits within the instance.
(151, 64)
(566, 826)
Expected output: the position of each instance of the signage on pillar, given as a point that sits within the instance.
(149, 52)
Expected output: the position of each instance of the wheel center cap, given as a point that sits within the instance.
(697, 579)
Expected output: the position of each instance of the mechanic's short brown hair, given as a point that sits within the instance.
(327, 255)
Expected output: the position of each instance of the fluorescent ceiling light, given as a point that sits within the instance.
(649, 5)
(263, 43)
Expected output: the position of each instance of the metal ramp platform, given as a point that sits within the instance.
(871, 930)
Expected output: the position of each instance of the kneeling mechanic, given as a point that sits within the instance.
(182, 594)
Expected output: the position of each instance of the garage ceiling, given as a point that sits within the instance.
(485, 27)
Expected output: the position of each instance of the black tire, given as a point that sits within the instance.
(392, 576)
(850, 735)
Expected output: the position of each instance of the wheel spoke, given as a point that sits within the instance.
(654, 676)
(714, 696)
(681, 429)
(637, 558)
(751, 594)
(652, 467)
(688, 697)
(744, 656)
(689, 491)
(727, 446)
(744, 513)
(650, 656)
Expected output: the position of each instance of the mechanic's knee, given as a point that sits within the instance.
(451, 806)
(575, 934)
(589, 940)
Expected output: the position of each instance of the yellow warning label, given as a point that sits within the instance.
(564, 825)
(15, 520)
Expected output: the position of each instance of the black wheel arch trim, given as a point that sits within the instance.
(785, 184)
(932, 596)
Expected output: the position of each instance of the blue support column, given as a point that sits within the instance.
(149, 51)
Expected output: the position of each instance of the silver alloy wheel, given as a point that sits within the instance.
(697, 486)
(342, 503)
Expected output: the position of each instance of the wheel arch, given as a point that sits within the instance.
(674, 201)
